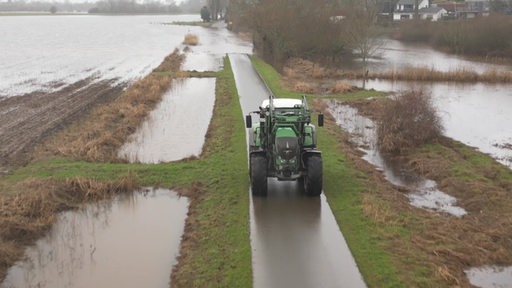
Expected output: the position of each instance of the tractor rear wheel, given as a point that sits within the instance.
(258, 175)
(313, 180)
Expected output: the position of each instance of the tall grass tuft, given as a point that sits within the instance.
(407, 121)
(191, 39)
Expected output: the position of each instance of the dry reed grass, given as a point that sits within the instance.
(304, 87)
(341, 87)
(297, 68)
(191, 39)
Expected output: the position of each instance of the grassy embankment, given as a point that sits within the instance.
(215, 251)
(396, 245)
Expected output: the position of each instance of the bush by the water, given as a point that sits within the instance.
(408, 120)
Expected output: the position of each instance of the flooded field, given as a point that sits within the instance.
(177, 127)
(130, 242)
(209, 53)
(395, 55)
(478, 115)
(45, 53)
(424, 191)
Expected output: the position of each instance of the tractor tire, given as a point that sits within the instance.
(258, 171)
(313, 180)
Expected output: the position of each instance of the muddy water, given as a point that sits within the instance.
(490, 277)
(213, 45)
(177, 127)
(295, 240)
(130, 242)
(45, 53)
(424, 191)
(41, 53)
(478, 115)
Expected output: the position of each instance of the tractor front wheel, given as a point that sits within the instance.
(313, 180)
(258, 175)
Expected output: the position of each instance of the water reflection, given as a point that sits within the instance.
(209, 53)
(490, 277)
(130, 242)
(395, 56)
(177, 127)
(425, 192)
(296, 241)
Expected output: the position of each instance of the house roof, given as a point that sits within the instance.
(431, 10)
(406, 2)
(409, 2)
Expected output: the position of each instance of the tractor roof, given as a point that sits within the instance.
(282, 103)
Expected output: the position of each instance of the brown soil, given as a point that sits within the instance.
(27, 121)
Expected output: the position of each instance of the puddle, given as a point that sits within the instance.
(490, 277)
(177, 127)
(130, 242)
(425, 193)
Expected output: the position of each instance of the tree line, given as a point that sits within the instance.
(331, 30)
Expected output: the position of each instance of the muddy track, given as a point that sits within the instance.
(28, 120)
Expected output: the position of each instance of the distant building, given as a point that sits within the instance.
(406, 9)
(432, 13)
(466, 9)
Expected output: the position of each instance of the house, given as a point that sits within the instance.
(432, 13)
(406, 9)
(466, 9)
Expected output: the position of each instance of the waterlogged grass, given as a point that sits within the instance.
(216, 247)
(343, 188)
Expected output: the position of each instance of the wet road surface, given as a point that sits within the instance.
(295, 240)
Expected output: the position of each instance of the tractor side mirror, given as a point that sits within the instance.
(320, 120)
(248, 121)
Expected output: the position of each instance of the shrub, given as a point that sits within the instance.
(407, 121)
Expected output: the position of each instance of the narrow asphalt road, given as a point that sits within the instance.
(295, 239)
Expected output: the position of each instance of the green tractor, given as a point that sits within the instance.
(283, 145)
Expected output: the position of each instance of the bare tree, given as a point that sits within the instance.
(363, 33)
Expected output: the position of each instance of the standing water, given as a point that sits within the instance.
(176, 129)
(425, 193)
(478, 115)
(130, 242)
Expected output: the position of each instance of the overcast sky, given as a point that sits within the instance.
(82, 1)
